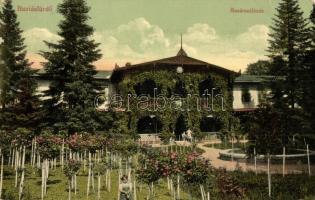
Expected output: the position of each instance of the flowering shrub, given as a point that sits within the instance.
(22, 137)
(72, 168)
(79, 142)
(49, 145)
(75, 142)
(157, 164)
(126, 147)
(152, 167)
(195, 170)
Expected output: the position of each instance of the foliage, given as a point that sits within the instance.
(72, 167)
(100, 168)
(308, 81)
(227, 186)
(157, 164)
(22, 137)
(271, 128)
(165, 136)
(287, 52)
(299, 185)
(20, 105)
(125, 148)
(70, 65)
(261, 67)
(166, 82)
(49, 145)
(195, 170)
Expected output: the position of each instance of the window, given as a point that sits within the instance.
(246, 97)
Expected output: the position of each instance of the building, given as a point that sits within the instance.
(249, 91)
(178, 78)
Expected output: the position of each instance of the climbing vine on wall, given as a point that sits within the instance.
(190, 107)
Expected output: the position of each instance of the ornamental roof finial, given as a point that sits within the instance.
(181, 51)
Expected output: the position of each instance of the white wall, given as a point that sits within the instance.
(237, 97)
(43, 85)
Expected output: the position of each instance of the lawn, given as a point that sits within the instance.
(57, 185)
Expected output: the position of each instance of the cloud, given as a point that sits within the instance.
(234, 53)
(135, 41)
(139, 40)
(35, 37)
(200, 33)
(255, 38)
(143, 35)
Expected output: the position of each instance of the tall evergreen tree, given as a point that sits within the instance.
(4, 86)
(20, 105)
(70, 66)
(309, 81)
(288, 45)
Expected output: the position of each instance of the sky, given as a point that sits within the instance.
(136, 31)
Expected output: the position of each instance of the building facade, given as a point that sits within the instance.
(175, 94)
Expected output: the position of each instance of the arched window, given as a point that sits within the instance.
(208, 85)
(147, 88)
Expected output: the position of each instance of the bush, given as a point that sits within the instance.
(292, 186)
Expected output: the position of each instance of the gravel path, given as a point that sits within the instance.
(212, 154)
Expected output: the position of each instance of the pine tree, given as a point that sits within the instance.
(309, 82)
(288, 45)
(20, 105)
(4, 81)
(70, 66)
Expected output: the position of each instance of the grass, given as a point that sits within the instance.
(57, 186)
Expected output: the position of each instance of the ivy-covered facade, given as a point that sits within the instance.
(171, 95)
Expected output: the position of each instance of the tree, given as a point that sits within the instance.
(288, 44)
(272, 128)
(20, 105)
(3, 79)
(308, 81)
(69, 64)
(261, 67)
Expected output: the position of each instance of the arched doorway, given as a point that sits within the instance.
(149, 124)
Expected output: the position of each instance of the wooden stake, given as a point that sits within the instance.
(178, 191)
(202, 193)
(308, 160)
(98, 186)
(269, 177)
(89, 175)
(22, 175)
(283, 163)
(1, 176)
(69, 193)
(255, 160)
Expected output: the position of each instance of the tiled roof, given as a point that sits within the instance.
(176, 60)
(245, 78)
